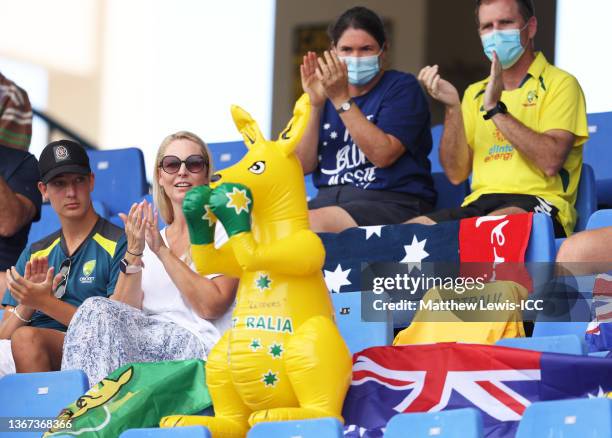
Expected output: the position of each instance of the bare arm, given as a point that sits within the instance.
(548, 150)
(129, 286)
(128, 289)
(380, 148)
(210, 299)
(455, 153)
(15, 210)
(307, 149)
(10, 321)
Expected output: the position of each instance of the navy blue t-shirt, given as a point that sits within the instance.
(397, 105)
(20, 171)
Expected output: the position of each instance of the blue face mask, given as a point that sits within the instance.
(506, 43)
(361, 69)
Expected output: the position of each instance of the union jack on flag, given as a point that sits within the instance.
(500, 382)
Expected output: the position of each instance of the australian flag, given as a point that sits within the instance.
(500, 382)
(408, 243)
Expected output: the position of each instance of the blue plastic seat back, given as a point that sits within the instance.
(120, 178)
(552, 328)
(567, 344)
(434, 155)
(171, 432)
(600, 219)
(40, 394)
(311, 190)
(49, 221)
(574, 418)
(586, 198)
(598, 154)
(225, 154)
(449, 194)
(541, 247)
(457, 423)
(317, 428)
(357, 333)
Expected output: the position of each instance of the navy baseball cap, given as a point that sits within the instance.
(63, 156)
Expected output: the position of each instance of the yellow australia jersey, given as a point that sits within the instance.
(548, 98)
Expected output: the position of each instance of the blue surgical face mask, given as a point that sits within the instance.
(506, 43)
(361, 69)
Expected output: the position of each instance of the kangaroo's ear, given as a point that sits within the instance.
(292, 134)
(246, 126)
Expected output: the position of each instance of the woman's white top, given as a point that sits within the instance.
(164, 302)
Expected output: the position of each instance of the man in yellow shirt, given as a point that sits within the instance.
(520, 132)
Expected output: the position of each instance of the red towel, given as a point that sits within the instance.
(498, 245)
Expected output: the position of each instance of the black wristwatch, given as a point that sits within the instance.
(345, 106)
(500, 108)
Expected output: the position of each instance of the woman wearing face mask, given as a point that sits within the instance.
(161, 308)
(368, 136)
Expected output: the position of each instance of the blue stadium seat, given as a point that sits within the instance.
(457, 423)
(600, 219)
(551, 328)
(434, 157)
(49, 221)
(311, 190)
(586, 198)
(40, 394)
(573, 418)
(317, 428)
(359, 334)
(449, 194)
(227, 153)
(568, 344)
(541, 247)
(598, 154)
(171, 432)
(120, 178)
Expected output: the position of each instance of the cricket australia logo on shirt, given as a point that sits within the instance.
(88, 269)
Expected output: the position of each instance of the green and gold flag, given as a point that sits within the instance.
(135, 396)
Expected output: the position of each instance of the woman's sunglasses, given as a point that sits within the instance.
(194, 163)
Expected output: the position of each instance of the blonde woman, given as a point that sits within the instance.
(161, 309)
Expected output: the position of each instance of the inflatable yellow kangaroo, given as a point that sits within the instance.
(284, 358)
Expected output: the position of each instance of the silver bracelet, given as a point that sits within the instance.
(14, 312)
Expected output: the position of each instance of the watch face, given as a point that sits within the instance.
(346, 106)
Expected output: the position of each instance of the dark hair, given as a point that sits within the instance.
(358, 18)
(526, 8)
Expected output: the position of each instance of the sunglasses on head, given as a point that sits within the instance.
(194, 163)
(60, 290)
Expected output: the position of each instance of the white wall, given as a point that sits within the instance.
(584, 41)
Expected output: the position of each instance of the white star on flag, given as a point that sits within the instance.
(326, 126)
(372, 229)
(336, 279)
(333, 135)
(415, 253)
(600, 394)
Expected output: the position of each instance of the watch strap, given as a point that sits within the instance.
(126, 268)
(345, 106)
(499, 108)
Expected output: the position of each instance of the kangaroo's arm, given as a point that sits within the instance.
(209, 260)
(301, 253)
